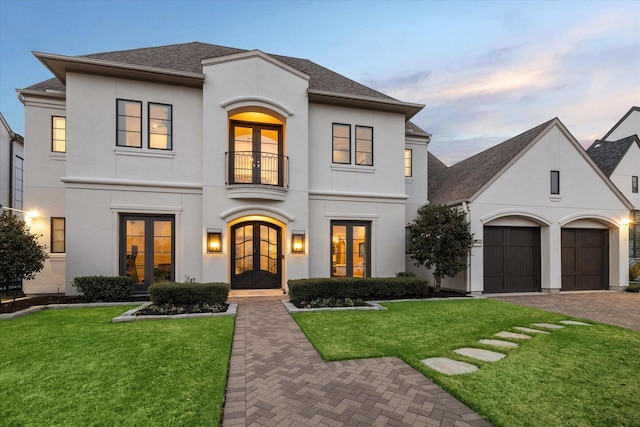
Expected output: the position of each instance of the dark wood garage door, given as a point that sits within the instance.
(511, 259)
(585, 259)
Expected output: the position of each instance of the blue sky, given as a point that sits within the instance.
(486, 70)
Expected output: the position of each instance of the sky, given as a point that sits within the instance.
(486, 71)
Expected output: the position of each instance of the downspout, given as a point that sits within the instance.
(11, 167)
(465, 208)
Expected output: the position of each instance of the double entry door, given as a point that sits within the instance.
(256, 256)
(147, 249)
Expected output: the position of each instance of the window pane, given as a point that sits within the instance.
(157, 111)
(129, 123)
(408, 162)
(364, 145)
(160, 127)
(364, 132)
(58, 134)
(269, 141)
(341, 131)
(57, 235)
(340, 157)
(341, 143)
(159, 141)
(555, 182)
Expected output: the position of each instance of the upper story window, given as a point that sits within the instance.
(364, 145)
(555, 182)
(408, 162)
(634, 184)
(58, 134)
(129, 123)
(160, 126)
(57, 235)
(18, 189)
(341, 143)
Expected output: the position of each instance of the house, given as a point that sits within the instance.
(218, 164)
(11, 167)
(618, 156)
(544, 216)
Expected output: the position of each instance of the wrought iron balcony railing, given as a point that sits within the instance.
(257, 167)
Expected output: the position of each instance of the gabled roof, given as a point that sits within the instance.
(461, 181)
(620, 122)
(608, 154)
(185, 60)
(411, 128)
(14, 136)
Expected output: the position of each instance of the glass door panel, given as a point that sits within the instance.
(135, 250)
(359, 250)
(162, 251)
(256, 256)
(243, 163)
(339, 248)
(350, 249)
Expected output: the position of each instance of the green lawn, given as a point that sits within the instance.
(74, 368)
(577, 376)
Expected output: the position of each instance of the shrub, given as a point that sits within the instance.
(357, 288)
(104, 288)
(405, 274)
(188, 293)
(634, 271)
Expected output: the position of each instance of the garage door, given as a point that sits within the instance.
(585, 259)
(511, 259)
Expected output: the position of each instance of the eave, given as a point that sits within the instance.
(60, 65)
(391, 105)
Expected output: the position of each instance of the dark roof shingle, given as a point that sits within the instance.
(608, 154)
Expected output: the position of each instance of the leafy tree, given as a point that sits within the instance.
(21, 256)
(440, 238)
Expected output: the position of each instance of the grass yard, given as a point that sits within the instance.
(74, 368)
(577, 376)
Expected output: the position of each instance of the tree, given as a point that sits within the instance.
(21, 255)
(440, 239)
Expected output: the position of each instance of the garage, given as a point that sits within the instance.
(511, 259)
(585, 259)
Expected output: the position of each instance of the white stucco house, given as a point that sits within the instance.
(11, 167)
(219, 164)
(618, 156)
(544, 216)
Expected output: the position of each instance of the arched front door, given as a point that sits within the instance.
(256, 256)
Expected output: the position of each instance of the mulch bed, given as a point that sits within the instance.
(10, 306)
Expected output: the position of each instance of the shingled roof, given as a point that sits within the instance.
(608, 154)
(462, 180)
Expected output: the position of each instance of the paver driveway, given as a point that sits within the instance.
(614, 308)
(276, 377)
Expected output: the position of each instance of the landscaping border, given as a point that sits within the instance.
(37, 308)
(129, 316)
(372, 305)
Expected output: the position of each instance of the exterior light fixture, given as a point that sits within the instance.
(214, 240)
(297, 241)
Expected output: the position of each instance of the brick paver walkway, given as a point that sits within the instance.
(615, 308)
(277, 378)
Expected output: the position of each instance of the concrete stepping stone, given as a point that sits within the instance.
(513, 335)
(575, 322)
(480, 354)
(530, 330)
(548, 325)
(449, 366)
(498, 343)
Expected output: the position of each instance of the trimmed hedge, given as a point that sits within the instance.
(357, 288)
(104, 288)
(189, 293)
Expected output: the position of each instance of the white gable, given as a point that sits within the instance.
(629, 125)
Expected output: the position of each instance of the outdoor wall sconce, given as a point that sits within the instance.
(214, 240)
(297, 242)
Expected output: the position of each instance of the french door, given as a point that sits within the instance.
(350, 249)
(147, 249)
(256, 256)
(256, 154)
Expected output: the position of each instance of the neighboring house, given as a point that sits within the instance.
(618, 155)
(544, 216)
(219, 164)
(11, 167)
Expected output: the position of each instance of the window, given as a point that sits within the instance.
(364, 145)
(129, 123)
(634, 240)
(255, 155)
(634, 184)
(555, 182)
(350, 249)
(160, 126)
(58, 134)
(57, 235)
(18, 191)
(341, 143)
(408, 162)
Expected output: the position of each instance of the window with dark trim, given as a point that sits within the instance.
(364, 145)
(255, 155)
(634, 184)
(58, 134)
(350, 249)
(341, 143)
(129, 123)
(408, 162)
(18, 189)
(555, 182)
(57, 235)
(634, 240)
(160, 126)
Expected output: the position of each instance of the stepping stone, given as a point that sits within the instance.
(513, 335)
(548, 325)
(574, 322)
(498, 343)
(449, 366)
(480, 354)
(530, 330)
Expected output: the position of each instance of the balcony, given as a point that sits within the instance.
(257, 175)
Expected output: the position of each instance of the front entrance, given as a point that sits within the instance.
(256, 256)
(147, 249)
